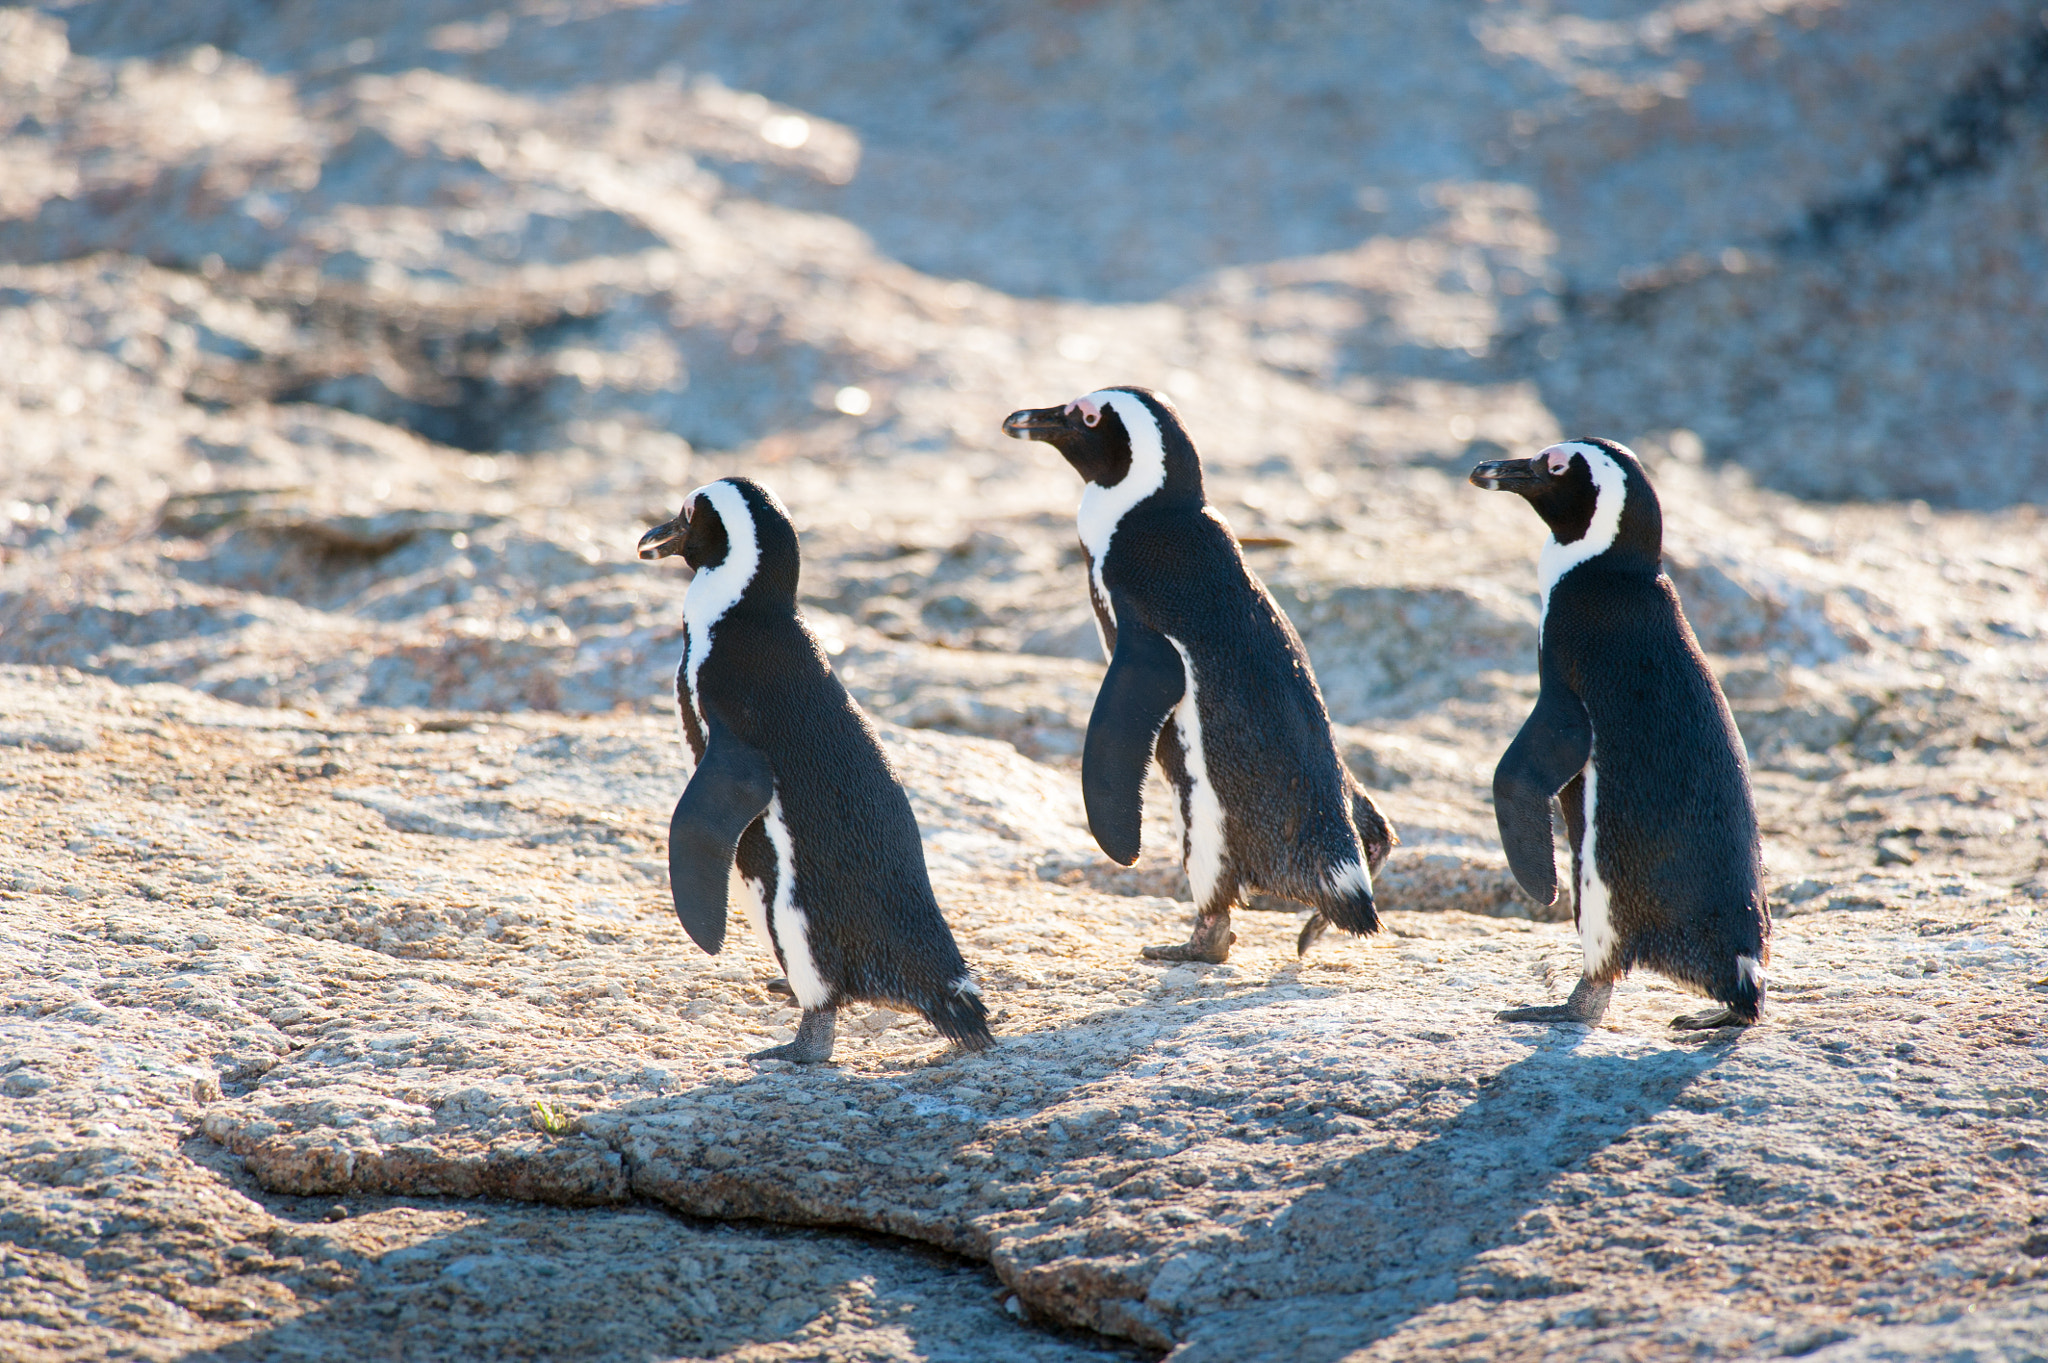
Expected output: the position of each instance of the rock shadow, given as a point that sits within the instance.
(626, 1284)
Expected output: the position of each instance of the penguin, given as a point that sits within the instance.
(1207, 678)
(792, 786)
(1632, 734)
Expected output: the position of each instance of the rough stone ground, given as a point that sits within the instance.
(360, 952)
(349, 347)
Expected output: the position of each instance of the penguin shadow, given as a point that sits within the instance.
(1390, 1234)
(1107, 1040)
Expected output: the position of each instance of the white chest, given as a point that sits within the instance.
(1597, 937)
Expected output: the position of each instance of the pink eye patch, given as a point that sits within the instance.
(1090, 410)
(1559, 458)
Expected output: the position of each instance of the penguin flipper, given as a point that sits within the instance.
(729, 790)
(1552, 748)
(1146, 679)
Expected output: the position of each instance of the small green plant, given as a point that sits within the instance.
(552, 1118)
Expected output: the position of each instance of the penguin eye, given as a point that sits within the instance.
(1091, 418)
(1560, 460)
(1091, 415)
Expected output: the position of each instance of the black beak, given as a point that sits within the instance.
(666, 538)
(1037, 423)
(1507, 475)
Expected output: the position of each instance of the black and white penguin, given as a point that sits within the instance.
(1206, 676)
(792, 784)
(1632, 734)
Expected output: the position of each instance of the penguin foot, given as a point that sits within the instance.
(1311, 933)
(1706, 1022)
(1587, 1005)
(1210, 943)
(779, 985)
(813, 1044)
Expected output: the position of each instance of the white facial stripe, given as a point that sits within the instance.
(1610, 490)
(1103, 507)
(714, 591)
(1750, 971)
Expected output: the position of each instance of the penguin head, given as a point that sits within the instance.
(737, 539)
(1592, 493)
(1118, 435)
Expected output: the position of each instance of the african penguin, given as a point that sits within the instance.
(791, 783)
(1208, 678)
(1632, 734)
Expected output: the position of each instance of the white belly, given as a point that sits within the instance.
(756, 904)
(1202, 839)
(1596, 926)
(792, 924)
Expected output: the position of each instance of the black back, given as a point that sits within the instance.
(1677, 842)
(1287, 800)
(1265, 729)
(875, 928)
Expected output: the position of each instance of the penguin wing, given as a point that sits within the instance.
(1551, 749)
(1146, 679)
(728, 791)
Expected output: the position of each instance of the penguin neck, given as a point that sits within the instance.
(1163, 468)
(720, 587)
(1625, 532)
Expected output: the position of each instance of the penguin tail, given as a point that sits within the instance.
(1746, 999)
(1347, 900)
(960, 1015)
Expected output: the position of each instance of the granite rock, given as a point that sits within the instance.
(349, 349)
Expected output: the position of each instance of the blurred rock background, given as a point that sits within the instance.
(349, 345)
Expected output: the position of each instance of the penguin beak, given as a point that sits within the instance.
(1038, 423)
(666, 538)
(1507, 475)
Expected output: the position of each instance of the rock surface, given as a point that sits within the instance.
(351, 347)
(379, 959)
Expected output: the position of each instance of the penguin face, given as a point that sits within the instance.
(1558, 483)
(1089, 432)
(733, 528)
(697, 533)
(1118, 436)
(1592, 493)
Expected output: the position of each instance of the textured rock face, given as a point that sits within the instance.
(349, 348)
(375, 960)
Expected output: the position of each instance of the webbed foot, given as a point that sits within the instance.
(1706, 1022)
(780, 985)
(813, 1044)
(1210, 942)
(1587, 1005)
